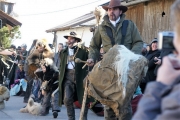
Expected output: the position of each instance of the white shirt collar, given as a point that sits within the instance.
(71, 51)
(114, 22)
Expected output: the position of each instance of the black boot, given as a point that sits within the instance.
(22, 93)
(70, 112)
(55, 114)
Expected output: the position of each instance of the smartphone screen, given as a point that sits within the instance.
(165, 40)
(168, 42)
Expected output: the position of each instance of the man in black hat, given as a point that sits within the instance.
(115, 30)
(72, 74)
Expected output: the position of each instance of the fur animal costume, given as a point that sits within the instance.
(32, 107)
(4, 95)
(35, 56)
(99, 13)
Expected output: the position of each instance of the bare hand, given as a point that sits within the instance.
(44, 92)
(6, 52)
(168, 71)
(90, 62)
(158, 61)
(37, 70)
(14, 53)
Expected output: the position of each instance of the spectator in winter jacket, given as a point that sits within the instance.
(161, 98)
(152, 53)
(20, 84)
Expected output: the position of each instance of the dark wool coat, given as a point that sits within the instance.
(150, 76)
(80, 73)
(50, 75)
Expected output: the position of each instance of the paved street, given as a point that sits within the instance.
(11, 112)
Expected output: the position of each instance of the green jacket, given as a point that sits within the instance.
(80, 73)
(133, 40)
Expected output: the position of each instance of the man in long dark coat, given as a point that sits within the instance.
(72, 74)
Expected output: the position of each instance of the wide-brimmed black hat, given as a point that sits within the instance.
(115, 3)
(74, 35)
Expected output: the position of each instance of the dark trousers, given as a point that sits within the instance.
(28, 90)
(69, 91)
(49, 100)
(69, 95)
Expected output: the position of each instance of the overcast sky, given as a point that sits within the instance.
(37, 16)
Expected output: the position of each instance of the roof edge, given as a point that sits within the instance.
(68, 27)
(11, 19)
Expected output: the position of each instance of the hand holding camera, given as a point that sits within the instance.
(157, 61)
(169, 70)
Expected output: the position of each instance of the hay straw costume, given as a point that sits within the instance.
(119, 74)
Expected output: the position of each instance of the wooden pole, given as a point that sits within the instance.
(84, 101)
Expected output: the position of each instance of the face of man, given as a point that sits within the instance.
(60, 47)
(114, 13)
(70, 41)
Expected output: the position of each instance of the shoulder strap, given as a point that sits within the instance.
(124, 30)
(110, 35)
